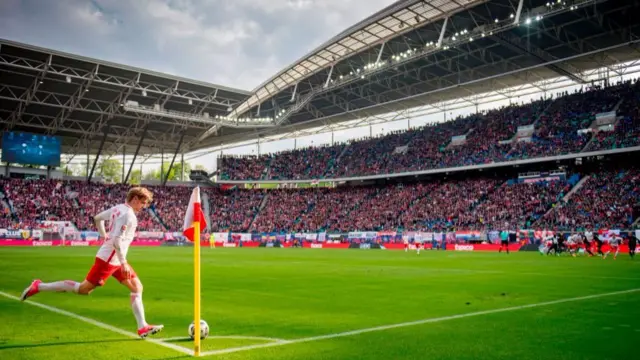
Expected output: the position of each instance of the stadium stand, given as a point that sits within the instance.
(233, 209)
(244, 167)
(490, 137)
(606, 200)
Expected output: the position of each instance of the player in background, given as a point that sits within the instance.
(614, 245)
(587, 244)
(418, 247)
(599, 242)
(633, 242)
(572, 244)
(552, 240)
(504, 241)
(111, 259)
(406, 244)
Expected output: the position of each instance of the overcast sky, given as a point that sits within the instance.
(237, 43)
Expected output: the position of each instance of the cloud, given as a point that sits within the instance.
(238, 43)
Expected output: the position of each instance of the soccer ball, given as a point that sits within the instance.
(204, 330)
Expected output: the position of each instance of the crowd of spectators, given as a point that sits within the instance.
(626, 130)
(307, 163)
(248, 167)
(490, 137)
(605, 201)
(516, 206)
(232, 209)
(448, 205)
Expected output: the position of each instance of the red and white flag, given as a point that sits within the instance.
(194, 213)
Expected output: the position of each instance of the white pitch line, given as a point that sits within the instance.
(238, 337)
(413, 323)
(100, 324)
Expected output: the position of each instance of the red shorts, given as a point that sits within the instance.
(101, 270)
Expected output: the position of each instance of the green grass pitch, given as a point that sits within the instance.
(330, 304)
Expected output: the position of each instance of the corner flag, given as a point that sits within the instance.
(194, 216)
(194, 222)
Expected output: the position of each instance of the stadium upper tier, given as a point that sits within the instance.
(562, 125)
(601, 198)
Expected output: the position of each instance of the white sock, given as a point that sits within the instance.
(60, 286)
(138, 309)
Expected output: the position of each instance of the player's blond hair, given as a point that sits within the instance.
(140, 193)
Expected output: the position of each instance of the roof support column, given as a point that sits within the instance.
(518, 12)
(88, 161)
(166, 177)
(95, 161)
(293, 96)
(380, 53)
(182, 167)
(444, 28)
(135, 155)
(326, 83)
(124, 151)
(258, 111)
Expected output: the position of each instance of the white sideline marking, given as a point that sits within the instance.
(100, 324)
(413, 323)
(239, 337)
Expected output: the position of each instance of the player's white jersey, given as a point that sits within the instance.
(122, 224)
(615, 240)
(588, 235)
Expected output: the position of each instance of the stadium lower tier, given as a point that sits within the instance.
(603, 199)
(591, 119)
(523, 244)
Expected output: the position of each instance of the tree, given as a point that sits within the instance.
(174, 174)
(110, 170)
(151, 175)
(75, 170)
(135, 177)
(178, 170)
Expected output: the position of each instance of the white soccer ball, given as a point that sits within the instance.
(204, 330)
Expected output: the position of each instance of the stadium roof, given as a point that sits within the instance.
(81, 99)
(410, 54)
(429, 57)
(386, 24)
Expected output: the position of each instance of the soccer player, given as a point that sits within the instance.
(504, 241)
(418, 247)
(587, 239)
(561, 242)
(572, 244)
(614, 244)
(111, 259)
(599, 242)
(552, 240)
(586, 244)
(633, 242)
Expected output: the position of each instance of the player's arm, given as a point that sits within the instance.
(99, 222)
(120, 227)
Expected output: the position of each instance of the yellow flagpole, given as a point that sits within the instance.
(196, 287)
